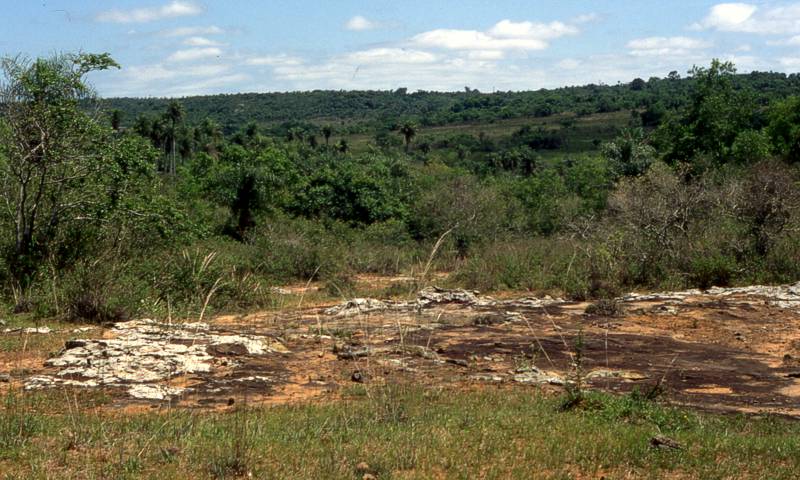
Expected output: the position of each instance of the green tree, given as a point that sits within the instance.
(784, 128)
(210, 137)
(327, 131)
(408, 130)
(750, 146)
(716, 113)
(629, 154)
(174, 116)
(116, 119)
(61, 168)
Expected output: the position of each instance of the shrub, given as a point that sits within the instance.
(712, 271)
(606, 307)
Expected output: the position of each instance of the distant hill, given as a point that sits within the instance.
(362, 111)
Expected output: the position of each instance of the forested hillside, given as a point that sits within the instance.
(361, 111)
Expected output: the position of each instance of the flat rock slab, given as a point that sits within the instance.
(142, 354)
(724, 348)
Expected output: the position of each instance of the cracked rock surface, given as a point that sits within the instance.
(144, 352)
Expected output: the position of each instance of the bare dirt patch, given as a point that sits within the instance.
(725, 349)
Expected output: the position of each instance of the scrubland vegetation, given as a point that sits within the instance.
(128, 208)
(665, 183)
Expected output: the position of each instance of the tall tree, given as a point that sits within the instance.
(211, 136)
(175, 114)
(59, 166)
(327, 131)
(116, 119)
(408, 130)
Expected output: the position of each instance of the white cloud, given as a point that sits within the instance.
(149, 73)
(793, 41)
(504, 35)
(177, 79)
(173, 9)
(208, 85)
(486, 54)
(201, 42)
(727, 16)
(544, 31)
(412, 71)
(790, 62)
(194, 54)
(389, 55)
(273, 60)
(187, 31)
(585, 18)
(665, 46)
(748, 18)
(568, 64)
(359, 24)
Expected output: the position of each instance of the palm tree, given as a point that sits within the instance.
(251, 133)
(327, 131)
(175, 115)
(158, 137)
(211, 135)
(116, 119)
(143, 126)
(408, 130)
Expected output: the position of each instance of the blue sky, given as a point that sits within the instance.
(189, 47)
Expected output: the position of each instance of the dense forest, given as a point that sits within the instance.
(122, 207)
(367, 111)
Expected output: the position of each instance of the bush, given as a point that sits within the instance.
(712, 271)
(606, 307)
(101, 291)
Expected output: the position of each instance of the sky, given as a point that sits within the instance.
(175, 48)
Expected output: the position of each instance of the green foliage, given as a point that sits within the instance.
(784, 128)
(751, 146)
(629, 154)
(183, 213)
(358, 190)
(715, 115)
(63, 170)
(712, 271)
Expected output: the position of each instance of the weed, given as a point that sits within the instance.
(606, 307)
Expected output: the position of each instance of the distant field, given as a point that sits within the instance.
(580, 132)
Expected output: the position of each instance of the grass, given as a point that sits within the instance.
(602, 126)
(409, 433)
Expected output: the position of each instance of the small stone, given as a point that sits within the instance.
(458, 361)
(357, 377)
(5, 378)
(352, 354)
(70, 344)
(662, 442)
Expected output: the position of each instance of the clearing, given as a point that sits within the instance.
(734, 349)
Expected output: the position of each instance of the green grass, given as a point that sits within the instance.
(399, 432)
(579, 137)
